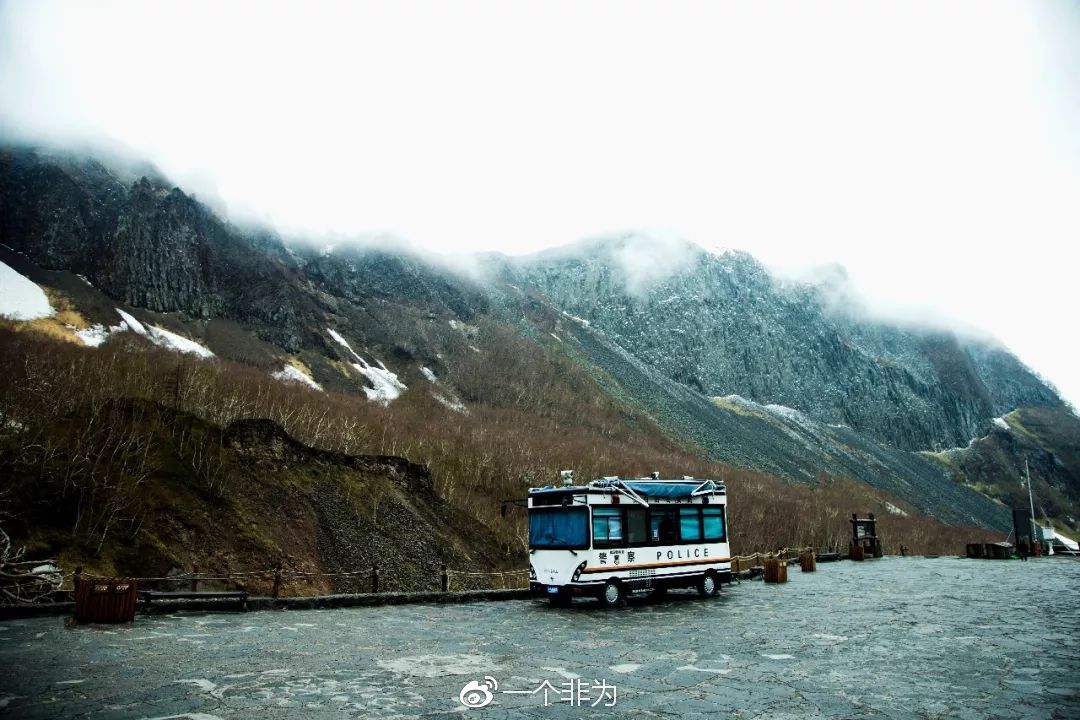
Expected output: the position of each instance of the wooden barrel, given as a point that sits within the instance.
(775, 570)
(106, 600)
(807, 561)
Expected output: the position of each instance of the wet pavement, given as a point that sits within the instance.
(892, 638)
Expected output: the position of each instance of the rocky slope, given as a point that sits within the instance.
(776, 439)
(1043, 442)
(260, 498)
(721, 325)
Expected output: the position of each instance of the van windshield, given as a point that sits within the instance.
(559, 528)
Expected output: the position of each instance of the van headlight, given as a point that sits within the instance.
(577, 573)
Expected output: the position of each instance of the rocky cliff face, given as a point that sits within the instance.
(722, 325)
(144, 243)
(150, 245)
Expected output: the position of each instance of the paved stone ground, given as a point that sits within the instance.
(893, 638)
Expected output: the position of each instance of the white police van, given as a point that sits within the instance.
(615, 537)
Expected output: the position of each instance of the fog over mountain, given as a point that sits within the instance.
(942, 179)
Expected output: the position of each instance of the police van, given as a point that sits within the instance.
(617, 537)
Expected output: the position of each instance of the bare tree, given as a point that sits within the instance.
(24, 582)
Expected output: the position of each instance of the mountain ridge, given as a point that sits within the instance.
(661, 324)
(738, 330)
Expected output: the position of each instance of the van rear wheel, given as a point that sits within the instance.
(613, 596)
(707, 585)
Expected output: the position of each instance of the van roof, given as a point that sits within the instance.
(645, 487)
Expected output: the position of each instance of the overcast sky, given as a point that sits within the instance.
(932, 148)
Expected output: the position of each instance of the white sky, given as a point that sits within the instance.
(932, 148)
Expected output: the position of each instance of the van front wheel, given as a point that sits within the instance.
(707, 585)
(614, 596)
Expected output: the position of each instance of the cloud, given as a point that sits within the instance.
(646, 260)
(929, 148)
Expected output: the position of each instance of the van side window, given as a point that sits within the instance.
(713, 523)
(689, 524)
(637, 532)
(607, 527)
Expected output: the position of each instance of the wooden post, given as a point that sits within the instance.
(194, 577)
(277, 581)
(445, 577)
(775, 570)
(374, 578)
(77, 577)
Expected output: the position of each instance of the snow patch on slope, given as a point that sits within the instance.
(20, 298)
(451, 402)
(290, 373)
(575, 318)
(1000, 422)
(131, 323)
(162, 337)
(96, 335)
(387, 387)
(172, 341)
(342, 341)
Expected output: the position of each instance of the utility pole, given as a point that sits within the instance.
(1031, 505)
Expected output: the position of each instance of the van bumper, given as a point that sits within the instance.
(542, 590)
